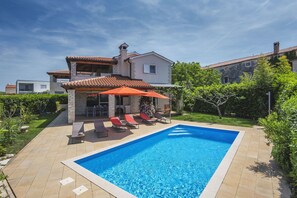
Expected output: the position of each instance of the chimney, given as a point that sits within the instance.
(276, 47)
(123, 55)
(123, 50)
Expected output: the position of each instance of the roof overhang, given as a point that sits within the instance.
(164, 85)
(151, 53)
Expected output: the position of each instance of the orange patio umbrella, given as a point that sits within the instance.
(124, 91)
(155, 95)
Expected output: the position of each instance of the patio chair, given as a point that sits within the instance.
(160, 118)
(117, 123)
(147, 119)
(100, 129)
(130, 121)
(78, 131)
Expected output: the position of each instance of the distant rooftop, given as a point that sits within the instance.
(248, 58)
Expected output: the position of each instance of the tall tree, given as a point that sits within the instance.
(190, 76)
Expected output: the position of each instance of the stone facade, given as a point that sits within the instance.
(80, 103)
(71, 105)
(135, 104)
(73, 71)
(232, 73)
(111, 105)
(232, 70)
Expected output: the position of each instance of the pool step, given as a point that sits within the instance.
(180, 134)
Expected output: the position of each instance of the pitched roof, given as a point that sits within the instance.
(107, 82)
(96, 59)
(229, 62)
(150, 53)
(10, 86)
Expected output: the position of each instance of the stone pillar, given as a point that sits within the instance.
(73, 71)
(135, 104)
(71, 106)
(111, 105)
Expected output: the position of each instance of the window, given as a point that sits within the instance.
(226, 79)
(149, 69)
(43, 86)
(26, 87)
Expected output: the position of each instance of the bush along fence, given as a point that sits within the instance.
(17, 111)
(36, 103)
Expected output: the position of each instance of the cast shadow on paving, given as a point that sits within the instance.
(270, 170)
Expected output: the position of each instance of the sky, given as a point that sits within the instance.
(37, 35)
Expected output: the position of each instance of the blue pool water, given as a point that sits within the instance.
(176, 162)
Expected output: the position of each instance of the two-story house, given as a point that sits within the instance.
(232, 70)
(90, 75)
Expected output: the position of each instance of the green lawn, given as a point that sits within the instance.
(200, 117)
(35, 127)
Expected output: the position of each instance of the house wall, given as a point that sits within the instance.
(55, 87)
(36, 86)
(234, 71)
(80, 103)
(163, 69)
(10, 90)
(294, 65)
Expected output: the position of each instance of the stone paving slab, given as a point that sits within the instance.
(36, 171)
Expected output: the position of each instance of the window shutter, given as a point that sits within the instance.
(146, 68)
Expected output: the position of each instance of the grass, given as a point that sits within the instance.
(35, 127)
(200, 117)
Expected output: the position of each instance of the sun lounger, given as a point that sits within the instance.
(160, 118)
(78, 131)
(147, 119)
(100, 129)
(117, 123)
(130, 121)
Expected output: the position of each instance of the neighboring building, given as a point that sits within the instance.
(32, 86)
(10, 89)
(91, 75)
(57, 78)
(233, 69)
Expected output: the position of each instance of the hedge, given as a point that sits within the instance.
(37, 103)
(248, 102)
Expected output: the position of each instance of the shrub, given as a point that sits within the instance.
(2, 152)
(9, 129)
(1, 110)
(38, 103)
(281, 130)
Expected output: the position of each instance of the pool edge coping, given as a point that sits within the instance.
(217, 178)
(210, 190)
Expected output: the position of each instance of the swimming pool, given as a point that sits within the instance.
(177, 161)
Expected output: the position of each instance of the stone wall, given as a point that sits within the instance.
(135, 104)
(111, 105)
(80, 103)
(233, 72)
(71, 106)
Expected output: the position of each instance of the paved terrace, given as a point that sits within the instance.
(37, 169)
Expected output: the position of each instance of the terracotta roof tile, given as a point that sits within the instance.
(107, 82)
(221, 64)
(10, 86)
(90, 58)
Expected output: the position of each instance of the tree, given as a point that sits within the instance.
(190, 76)
(282, 66)
(263, 74)
(216, 95)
